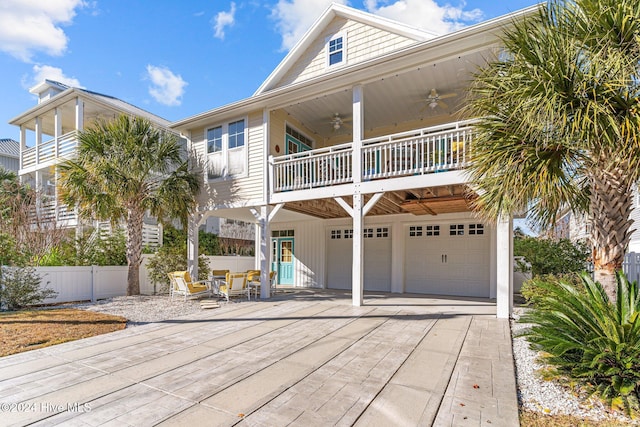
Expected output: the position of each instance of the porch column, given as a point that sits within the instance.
(57, 131)
(358, 131)
(265, 252)
(264, 216)
(357, 277)
(79, 114)
(504, 266)
(23, 146)
(192, 245)
(38, 126)
(397, 258)
(357, 286)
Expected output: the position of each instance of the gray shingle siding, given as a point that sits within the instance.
(9, 154)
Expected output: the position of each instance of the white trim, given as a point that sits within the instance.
(224, 153)
(327, 63)
(504, 267)
(321, 23)
(292, 126)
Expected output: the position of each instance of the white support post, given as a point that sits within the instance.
(263, 249)
(357, 286)
(357, 211)
(38, 127)
(397, 258)
(265, 253)
(192, 245)
(79, 114)
(57, 131)
(358, 132)
(23, 144)
(504, 267)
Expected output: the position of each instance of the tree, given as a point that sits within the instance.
(123, 169)
(559, 117)
(33, 231)
(551, 256)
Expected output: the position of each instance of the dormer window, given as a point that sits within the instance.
(336, 50)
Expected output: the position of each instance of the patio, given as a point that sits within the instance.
(302, 358)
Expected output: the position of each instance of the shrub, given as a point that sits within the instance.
(590, 340)
(10, 254)
(534, 290)
(169, 259)
(20, 287)
(110, 250)
(548, 256)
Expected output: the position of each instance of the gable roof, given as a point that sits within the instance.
(337, 10)
(474, 37)
(9, 148)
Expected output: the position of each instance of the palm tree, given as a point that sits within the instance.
(559, 119)
(123, 169)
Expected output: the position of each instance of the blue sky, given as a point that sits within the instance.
(176, 59)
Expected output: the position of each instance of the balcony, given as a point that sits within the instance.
(49, 151)
(52, 212)
(416, 152)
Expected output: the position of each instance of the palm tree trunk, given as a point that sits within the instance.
(609, 211)
(134, 249)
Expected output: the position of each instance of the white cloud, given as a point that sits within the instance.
(43, 72)
(425, 14)
(27, 26)
(167, 88)
(294, 17)
(223, 20)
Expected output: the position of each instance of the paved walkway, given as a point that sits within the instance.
(304, 358)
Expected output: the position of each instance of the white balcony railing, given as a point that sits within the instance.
(314, 168)
(50, 211)
(421, 151)
(64, 146)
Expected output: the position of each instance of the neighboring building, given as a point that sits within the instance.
(48, 136)
(9, 155)
(230, 228)
(577, 226)
(350, 159)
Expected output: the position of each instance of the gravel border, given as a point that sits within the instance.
(549, 397)
(142, 309)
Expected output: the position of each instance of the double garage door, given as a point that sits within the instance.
(439, 259)
(447, 259)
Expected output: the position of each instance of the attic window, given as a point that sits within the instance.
(336, 50)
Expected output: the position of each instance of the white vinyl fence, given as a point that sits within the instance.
(94, 283)
(631, 266)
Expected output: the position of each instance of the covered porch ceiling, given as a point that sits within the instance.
(421, 201)
(398, 98)
(67, 117)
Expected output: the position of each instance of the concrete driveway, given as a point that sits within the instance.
(302, 358)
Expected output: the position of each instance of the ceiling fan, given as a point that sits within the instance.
(337, 122)
(434, 99)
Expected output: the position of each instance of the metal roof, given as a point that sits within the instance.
(9, 148)
(67, 91)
